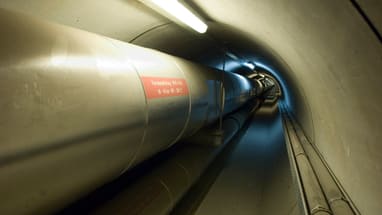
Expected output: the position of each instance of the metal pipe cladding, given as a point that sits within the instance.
(78, 109)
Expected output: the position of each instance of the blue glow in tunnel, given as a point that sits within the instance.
(244, 82)
(249, 65)
(286, 100)
(230, 65)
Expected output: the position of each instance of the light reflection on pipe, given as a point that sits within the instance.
(104, 65)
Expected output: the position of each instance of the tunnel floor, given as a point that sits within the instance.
(254, 177)
(257, 177)
(251, 176)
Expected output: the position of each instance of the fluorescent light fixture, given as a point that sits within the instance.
(181, 13)
(233, 56)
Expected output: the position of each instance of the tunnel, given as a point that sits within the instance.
(112, 107)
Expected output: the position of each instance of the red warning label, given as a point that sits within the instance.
(158, 87)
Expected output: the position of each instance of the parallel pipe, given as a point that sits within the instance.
(314, 196)
(336, 199)
(331, 199)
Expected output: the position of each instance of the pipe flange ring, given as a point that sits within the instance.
(320, 208)
(338, 199)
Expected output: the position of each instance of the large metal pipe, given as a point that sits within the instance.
(78, 109)
(158, 191)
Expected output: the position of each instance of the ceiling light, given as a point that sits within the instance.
(175, 10)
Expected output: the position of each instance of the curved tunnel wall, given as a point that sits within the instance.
(336, 61)
(331, 60)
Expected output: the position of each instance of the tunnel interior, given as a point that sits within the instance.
(326, 56)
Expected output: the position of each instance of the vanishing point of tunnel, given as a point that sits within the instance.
(191, 107)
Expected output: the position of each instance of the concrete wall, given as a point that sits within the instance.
(337, 62)
(328, 54)
(120, 19)
(372, 9)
